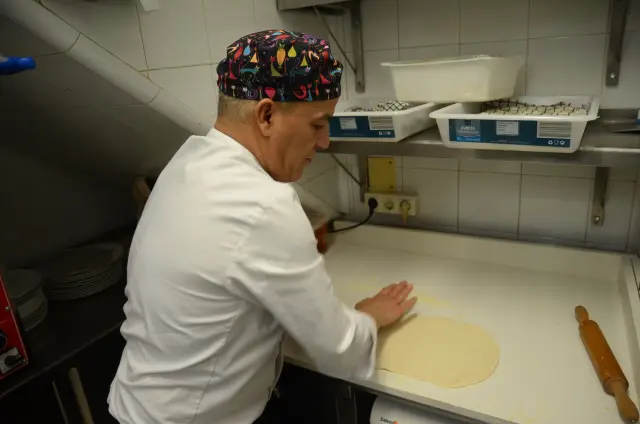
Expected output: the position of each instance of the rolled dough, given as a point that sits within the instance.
(438, 350)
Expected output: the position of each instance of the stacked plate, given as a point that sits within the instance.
(24, 288)
(83, 271)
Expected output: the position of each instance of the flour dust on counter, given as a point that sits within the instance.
(439, 350)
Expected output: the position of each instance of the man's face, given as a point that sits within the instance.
(296, 131)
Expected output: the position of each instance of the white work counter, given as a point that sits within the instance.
(524, 295)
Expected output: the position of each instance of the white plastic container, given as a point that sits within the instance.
(379, 126)
(462, 125)
(462, 79)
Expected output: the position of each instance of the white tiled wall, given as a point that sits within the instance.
(512, 200)
(563, 43)
(179, 82)
(179, 45)
(98, 18)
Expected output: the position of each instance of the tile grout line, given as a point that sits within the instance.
(350, 185)
(399, 168)
(255, 18)
(527, 39)
(157, 94)
(73, 44)
(559, 176)
(459, 25)
(398, 25)
(181, 67)
(317, 197)
(528, 21)
(331, 168)
(81, 34)
(206, 27)
(633, 204)
(475, 171)
(526, 56)
(144, 49)
(53, 12)
(458, 201)
(519, 203)
(507, 40)
(573, 177)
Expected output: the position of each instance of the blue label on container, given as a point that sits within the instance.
(361, 127)
(523, 133)
(467, 130)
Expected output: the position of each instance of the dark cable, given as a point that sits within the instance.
(373, 204)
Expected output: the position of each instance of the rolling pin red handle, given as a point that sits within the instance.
(626, 407)
(581, 314)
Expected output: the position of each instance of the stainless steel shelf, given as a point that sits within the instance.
(598, 148)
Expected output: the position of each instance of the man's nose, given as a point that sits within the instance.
(323, 143)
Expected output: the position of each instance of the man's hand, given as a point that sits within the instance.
(389, 305)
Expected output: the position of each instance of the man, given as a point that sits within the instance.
(224, 259)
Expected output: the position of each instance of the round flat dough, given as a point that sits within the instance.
(438, 350)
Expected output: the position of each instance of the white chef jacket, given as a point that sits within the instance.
(224, 261)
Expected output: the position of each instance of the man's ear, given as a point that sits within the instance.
(263, 116)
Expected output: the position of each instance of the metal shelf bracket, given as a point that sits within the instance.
(617, 24)
(599, 196)
(357, 64)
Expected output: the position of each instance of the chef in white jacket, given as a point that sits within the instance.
(224, 260)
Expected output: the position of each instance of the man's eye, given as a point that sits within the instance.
(318, 126)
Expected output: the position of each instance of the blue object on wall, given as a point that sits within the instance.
(13, 64)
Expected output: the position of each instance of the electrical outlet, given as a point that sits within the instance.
(390, 202)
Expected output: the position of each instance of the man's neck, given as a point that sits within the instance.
(244, 135)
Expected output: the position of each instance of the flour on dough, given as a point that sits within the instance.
(438, 350)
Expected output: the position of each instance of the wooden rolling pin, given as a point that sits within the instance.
(606, 366)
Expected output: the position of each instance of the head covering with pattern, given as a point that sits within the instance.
(280, 65)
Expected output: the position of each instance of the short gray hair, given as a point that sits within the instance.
(238, 109)
(234, 109)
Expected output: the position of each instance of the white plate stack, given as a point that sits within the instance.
(83, 271)
(24, 287)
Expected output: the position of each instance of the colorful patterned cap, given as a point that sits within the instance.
(280, 65)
